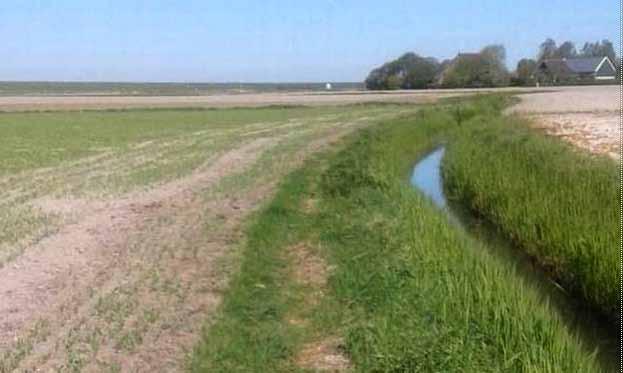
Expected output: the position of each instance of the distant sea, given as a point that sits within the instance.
(160, 89)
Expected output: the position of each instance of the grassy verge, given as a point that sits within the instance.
(407, 291)
(556, 203)
(250, 334)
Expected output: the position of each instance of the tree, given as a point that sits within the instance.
(524, 74)
(420, 72)
(393, 82)
(464, 71)
(494, 57)
(590, 49)
(607, 49)
(547, 49)
(496, 52)
(566, 50)
(410, 71)
(484, 69)
(597, 49)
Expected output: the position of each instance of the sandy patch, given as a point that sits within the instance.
(587, 117)
(327, 355)
(570, 100)
(309, 269)
(596, 132)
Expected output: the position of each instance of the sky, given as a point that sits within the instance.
(274, 40)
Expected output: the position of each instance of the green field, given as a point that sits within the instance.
(104, 209)
(289, 239)
(96, 154)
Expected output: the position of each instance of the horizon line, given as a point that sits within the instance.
(180, 82)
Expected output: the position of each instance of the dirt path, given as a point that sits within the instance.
(52, 283)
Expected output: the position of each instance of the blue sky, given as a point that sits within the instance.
(273, 40)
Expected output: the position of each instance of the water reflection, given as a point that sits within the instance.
(427, 177)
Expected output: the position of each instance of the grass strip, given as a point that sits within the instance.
(250, 334)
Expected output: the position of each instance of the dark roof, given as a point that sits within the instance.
(584, 65)
(573, 65)
(555, 66)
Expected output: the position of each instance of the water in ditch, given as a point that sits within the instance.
(593, 329)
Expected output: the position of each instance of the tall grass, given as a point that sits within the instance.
(413, 292)
(424, 295)
(560, 205)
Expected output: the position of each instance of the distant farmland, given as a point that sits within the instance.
(159, 89)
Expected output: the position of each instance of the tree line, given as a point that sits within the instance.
(524, 74)
(487, 68)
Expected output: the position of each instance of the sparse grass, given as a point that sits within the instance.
(17, 223)
(10, 359)
(150, 294)
(34, 140)
(249, 334)
(558, 204)
(109, 153)
(409, 292)
(115, 307)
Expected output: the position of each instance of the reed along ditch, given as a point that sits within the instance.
(593, 328)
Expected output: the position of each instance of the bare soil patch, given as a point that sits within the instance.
(39, 103)
(327, 355)
(105, 256)
(587, 117)
(309, 269)
(570, 100)
(596, 132)
(44, 103)
(324, 354)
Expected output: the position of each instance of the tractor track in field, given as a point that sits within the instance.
(126, 283)
(52, 280)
